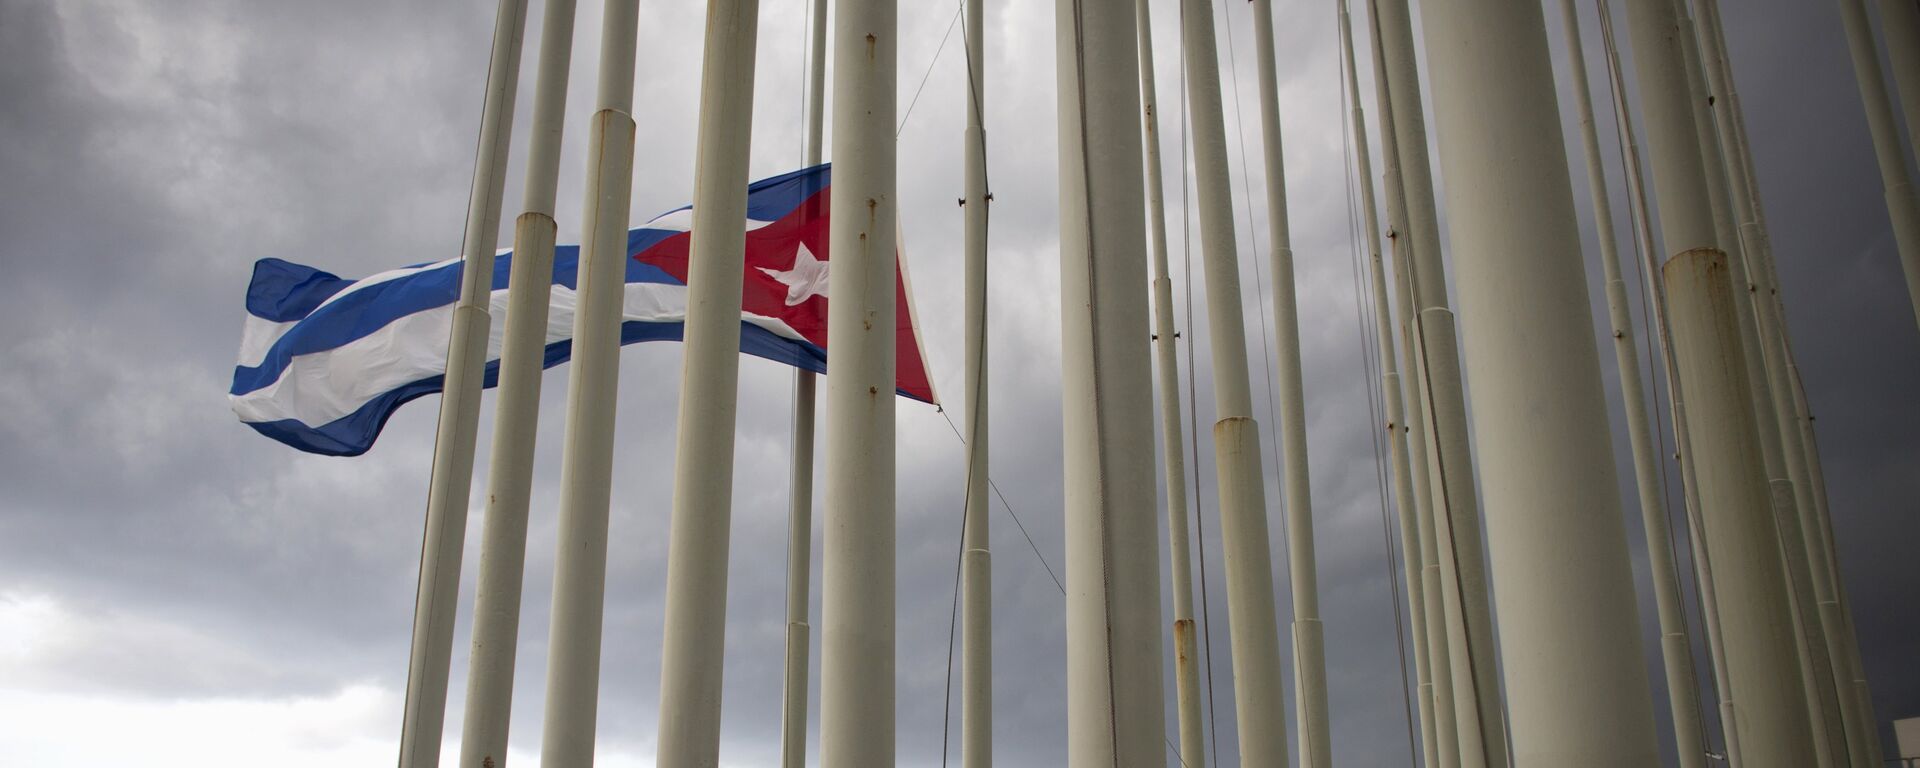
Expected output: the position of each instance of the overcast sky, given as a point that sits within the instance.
(178, 590)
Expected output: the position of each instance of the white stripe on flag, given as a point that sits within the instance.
(257, 336)
(320, 387)
(384, 277)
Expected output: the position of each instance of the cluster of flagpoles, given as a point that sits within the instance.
(1568, 688)
(1676, 653)
(1436, 711)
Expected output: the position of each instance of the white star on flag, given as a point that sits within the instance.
(807, 278)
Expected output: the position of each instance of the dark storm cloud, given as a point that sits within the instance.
(150, 154)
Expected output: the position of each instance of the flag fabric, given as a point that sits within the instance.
(324, 361)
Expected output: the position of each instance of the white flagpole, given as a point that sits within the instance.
(1902, 205)
(586, 464)
(1900, 22)
(1478, 713)
(793, 706)
(1115, 712)
(1681, 177)
(1686, 164)
(858, 611)
(1309, 643)
(693, 649)
(976, 661)
(1682, 696)
(1774, 729)
(503, 542)
(438, 594)
(1656, 288)
(1796, 424)
(1540, 417)
(1723, 150)
(1258, 691)
(1404, 502)
(1186, 666)
(1434, 587)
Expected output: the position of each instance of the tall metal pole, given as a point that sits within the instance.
(857, 613)
(693, 649)
(1773, 353)
(1186, 654)
(503, 538)
(1258, 692)
(1859, 690)
(1790, 403)
(1469, 617)
(1903, 207)
(1395, 406)
(1656, 289)
(1691, 186)
(1682, 697)
(1712, 162)
(976, 663)
(1900, 22)
(436, 599)
(1309, 636)
(1434, 587)
(793, 703)
(1760, 654)
(1550, 488)
(1115, 714)
(586, 460)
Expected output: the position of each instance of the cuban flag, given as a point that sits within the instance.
(324, 361)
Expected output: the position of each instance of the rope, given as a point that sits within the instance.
(1370, 340)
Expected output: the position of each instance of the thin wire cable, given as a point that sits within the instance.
(1015, 517)
(929, 72)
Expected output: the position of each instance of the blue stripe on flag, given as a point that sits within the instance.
(369, 309)
(353, 434)
(772, 199)
(282, 291)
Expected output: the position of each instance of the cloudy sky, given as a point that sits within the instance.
(177, 590)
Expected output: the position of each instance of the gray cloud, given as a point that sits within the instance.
(151, 153)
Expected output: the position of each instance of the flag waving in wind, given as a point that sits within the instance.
(324, 361)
